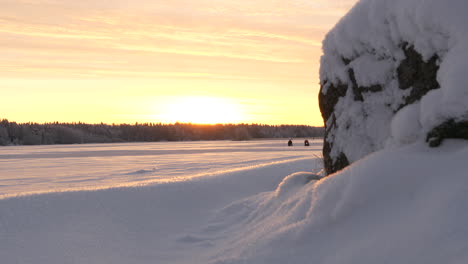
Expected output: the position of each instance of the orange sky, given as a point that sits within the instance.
(128, 61)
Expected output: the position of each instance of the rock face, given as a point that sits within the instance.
(384, 83)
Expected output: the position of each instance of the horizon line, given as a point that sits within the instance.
(143, 123)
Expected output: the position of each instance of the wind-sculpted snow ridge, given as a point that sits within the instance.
(394, 72)
(154, 181)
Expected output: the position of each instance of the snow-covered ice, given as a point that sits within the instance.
(38, 169)
(398, 205)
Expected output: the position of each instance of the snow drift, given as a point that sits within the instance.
(394, 72)
(371, 212)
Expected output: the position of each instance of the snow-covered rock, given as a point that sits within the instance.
(392, 72)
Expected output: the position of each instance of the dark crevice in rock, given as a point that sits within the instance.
(371, 89)
(330, 166)
(332, 124)
(328, 101)
(346, 61)
(357, 94)
(359, 90)
(448, 129)
(417, 73)
(340, 163)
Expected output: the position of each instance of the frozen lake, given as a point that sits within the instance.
(39, 169)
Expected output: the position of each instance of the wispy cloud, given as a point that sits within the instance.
(89, 37)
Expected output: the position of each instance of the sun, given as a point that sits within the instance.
(203, 110)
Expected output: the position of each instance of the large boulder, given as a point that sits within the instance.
(394, 72)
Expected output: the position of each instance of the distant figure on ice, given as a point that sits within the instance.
(306, 143)
(290, 143)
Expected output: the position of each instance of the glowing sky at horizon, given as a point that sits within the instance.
(124, 62)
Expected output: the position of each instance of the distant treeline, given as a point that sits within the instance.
(12, 133)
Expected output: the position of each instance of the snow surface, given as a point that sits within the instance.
(399, 205)
(371, 35)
